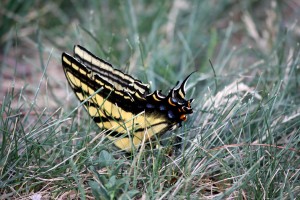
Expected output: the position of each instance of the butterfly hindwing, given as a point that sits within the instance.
(120, 103)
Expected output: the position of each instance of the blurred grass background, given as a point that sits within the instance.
(242, 142)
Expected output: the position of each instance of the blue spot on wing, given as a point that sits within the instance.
(162, 107)
(171, 114)
(149, 105)
(174, 100)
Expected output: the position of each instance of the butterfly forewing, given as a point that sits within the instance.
(105, 70)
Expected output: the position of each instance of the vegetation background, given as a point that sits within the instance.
(242, 142)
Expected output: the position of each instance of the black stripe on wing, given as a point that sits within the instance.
(106, 71)
(89, 78)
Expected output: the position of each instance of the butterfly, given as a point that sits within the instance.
(122, 104)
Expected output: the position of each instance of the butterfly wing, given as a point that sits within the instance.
(118, 102)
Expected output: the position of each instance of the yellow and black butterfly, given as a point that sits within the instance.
(119, 103)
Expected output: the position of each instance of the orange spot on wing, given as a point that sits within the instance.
(183, 117)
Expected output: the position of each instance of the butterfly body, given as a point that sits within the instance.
(120, 103)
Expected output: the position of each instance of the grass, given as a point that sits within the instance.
(242, 141)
